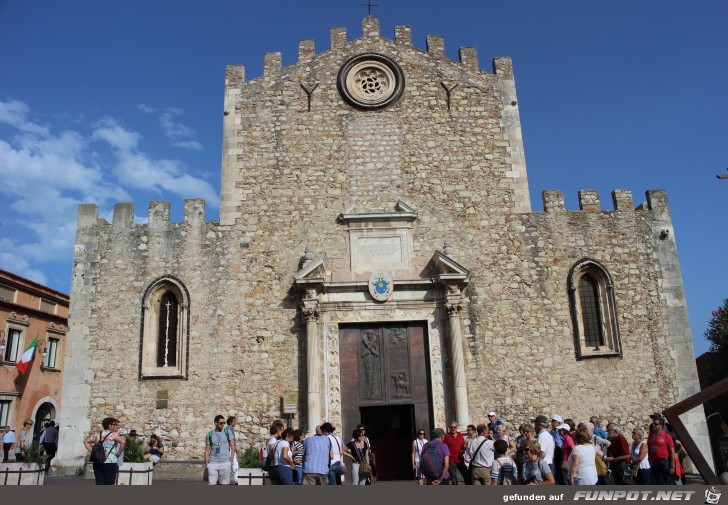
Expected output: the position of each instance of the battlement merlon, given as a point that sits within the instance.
(553, 201)
(195, 211)
(370, 27)
(272, 63)
(338, 37)
(234, 76)
(403, 35)
(123, 215)
(436, 45)
(503, 67)
(88, 215)
(469, 57)
(158, 214)
(657, 201)
(306, 50)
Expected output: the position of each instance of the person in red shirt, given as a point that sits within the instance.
(661, 451)
(456, 443)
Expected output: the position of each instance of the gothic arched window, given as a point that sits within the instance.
(593, 311)
(164, 332)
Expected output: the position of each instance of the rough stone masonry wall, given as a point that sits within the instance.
(240, 357)
(522, 338)
(287, 174)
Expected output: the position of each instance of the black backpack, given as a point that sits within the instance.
(98, 453)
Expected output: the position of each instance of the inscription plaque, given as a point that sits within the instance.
(374, 252)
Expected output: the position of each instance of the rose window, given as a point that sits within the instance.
(371, 81)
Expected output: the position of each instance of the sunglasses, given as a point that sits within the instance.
(421, 433)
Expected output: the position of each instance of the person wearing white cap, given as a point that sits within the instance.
(493, 423)
(556, 421)
(567, 445)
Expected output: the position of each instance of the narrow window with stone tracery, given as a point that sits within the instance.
(593, 311)
(167, 330)
(164, 330)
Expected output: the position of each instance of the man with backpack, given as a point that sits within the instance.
(435, 459)
(219, 453)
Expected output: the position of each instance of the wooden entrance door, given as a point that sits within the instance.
(385, 381)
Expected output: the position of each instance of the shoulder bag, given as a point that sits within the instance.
(470, 465)
(342, 466)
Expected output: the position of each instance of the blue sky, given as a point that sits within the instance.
(122, 101)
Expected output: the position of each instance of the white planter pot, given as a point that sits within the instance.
(135, 474)
(252, 477)
(21, 474)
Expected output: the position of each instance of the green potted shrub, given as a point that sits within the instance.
(26, 473)
(250, 471)
(135, 470)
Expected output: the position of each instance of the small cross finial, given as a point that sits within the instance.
(369, 6)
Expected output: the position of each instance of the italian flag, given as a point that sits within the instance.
(27, 356)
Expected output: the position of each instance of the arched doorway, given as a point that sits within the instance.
(46, 412)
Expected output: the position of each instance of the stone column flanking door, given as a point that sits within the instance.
(462, 412)
(310, 311)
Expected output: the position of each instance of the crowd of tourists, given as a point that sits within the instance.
(549, 452)
(293, 459)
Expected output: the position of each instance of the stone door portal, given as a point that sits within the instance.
(385, 382)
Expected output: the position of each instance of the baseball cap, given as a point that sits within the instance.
(657, 415)
(558, 418)
(564, 427)
(542, 419)
(437, 433)
(491, 413)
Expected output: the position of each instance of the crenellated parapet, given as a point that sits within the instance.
(159, 215)
(435, 47)
(656, 200)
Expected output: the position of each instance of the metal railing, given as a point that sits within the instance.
(132, 473)
(7, 472)
(250, 478)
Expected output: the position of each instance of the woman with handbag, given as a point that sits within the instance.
(358, 451)
(638, 457)
(582, 460)
(417, 446)
(282, 458)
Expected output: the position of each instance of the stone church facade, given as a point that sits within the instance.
(378, 259)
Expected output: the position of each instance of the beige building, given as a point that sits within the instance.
(378, 256)
(29, 310)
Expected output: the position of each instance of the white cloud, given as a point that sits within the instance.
(16, 263)
(14, 113)
(46, 175)
(110, 131)
(190, 144)
(180, 134)
(138, 170)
